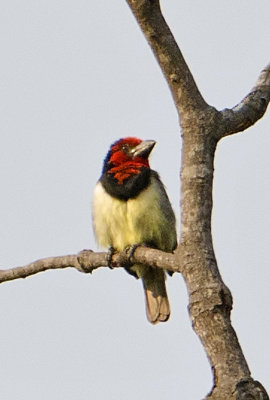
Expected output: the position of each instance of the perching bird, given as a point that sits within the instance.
(131, 207)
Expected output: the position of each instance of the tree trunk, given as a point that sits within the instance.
(210, 301)
(202, 126)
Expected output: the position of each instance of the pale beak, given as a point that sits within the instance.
(143, 149)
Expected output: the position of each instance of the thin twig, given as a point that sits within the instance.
(250, 109)
(87, 260)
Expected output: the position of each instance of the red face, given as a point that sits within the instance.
(124, 163)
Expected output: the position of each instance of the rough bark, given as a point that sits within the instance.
(202, 126)
(210, 301)
(87, 261)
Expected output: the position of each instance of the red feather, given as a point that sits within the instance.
(125, 165)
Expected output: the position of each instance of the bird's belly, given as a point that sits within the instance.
(121, 223)
(112, 225)
(120, 227)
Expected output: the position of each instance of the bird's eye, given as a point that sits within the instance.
(125, 148)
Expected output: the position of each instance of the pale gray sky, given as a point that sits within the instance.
(74, 76)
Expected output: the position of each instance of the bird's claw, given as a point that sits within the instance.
(109, 257)
(130, 250)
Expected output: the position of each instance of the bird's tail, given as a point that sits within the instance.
(157, 302)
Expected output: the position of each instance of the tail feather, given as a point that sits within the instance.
(157, 302)
(156, 299)
(157, 308)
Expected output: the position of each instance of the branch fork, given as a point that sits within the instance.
(202, 127)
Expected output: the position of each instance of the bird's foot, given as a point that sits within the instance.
(109, 257)
(130, 250)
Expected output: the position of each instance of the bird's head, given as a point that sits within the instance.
(127, 157)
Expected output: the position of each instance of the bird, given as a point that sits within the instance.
(130, 207)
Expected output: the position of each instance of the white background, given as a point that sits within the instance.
(75, 76)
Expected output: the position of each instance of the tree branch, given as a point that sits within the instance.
(202, 126)
(210, 301)
(161, 40)
(86, 261)
(250, 109)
